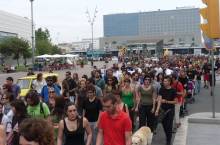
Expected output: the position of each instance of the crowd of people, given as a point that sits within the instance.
(106, 107)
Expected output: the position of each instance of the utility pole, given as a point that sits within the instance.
(32, 32)
(91, 22)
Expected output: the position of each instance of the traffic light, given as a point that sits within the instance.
(211, 13)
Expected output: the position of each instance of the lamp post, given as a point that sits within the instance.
(32, 31)
(91, 22)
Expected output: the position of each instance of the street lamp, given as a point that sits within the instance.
(91, 22)
(32, 31)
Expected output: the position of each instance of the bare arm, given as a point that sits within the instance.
(159, 99)
(99, 137)
(128, 137)
(88, 131)
(154, 97)
(60, 133)
(138, 97)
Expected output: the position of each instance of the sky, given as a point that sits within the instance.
(67, 20)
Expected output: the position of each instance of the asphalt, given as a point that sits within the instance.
(203, 103)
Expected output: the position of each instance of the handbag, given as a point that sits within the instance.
(162, 114)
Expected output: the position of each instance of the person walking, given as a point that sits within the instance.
(146, 96)
(39, 83)
(45, 89)
(36, 108)
(92, 108)
(128, 97)
(114, 125)
(167, 99)
(73, 127)
(180, 93)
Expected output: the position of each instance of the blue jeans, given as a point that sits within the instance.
(198, 86)
(94, 132)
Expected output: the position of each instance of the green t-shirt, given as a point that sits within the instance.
(37, 112)
(127, 98)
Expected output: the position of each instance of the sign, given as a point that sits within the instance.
(197, 51)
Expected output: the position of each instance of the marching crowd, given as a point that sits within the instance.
(106, 107)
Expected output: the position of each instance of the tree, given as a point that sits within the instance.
(44, 44)
(15, 47)
(27, 54)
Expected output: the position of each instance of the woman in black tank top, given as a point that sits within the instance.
(73, 127)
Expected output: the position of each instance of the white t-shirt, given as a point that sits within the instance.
(158, 70)
(168, 71)
(7, 121)
(39, 85)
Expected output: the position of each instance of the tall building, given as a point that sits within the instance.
(13, 25)
(177, 28)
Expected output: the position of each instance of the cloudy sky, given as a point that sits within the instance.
(67, 19)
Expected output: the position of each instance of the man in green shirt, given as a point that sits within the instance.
(36, 108)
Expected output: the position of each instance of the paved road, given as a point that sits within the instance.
(81, 71)
(203, 104)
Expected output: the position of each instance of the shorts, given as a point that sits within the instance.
(206, 77)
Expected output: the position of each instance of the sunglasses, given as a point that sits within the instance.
(52, 92)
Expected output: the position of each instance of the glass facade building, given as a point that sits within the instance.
(179, 26)
(121, 25)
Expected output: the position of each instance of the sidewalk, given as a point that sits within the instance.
(200, 128)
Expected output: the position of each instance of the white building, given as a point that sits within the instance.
(14, 25)
(84, 44)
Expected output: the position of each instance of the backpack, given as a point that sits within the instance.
(42, 109)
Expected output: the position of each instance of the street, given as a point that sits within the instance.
(81, 71)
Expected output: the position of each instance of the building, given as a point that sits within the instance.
(177, 28)
(83, 45)
(86, 44)
(13, 25)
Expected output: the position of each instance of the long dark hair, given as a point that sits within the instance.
(34, 96)
(67, 105)
(20, 108)
(59, 107)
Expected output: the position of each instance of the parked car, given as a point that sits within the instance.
(25, 83)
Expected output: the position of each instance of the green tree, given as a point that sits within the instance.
(27, 54)
(15, 47)
(44, 44)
